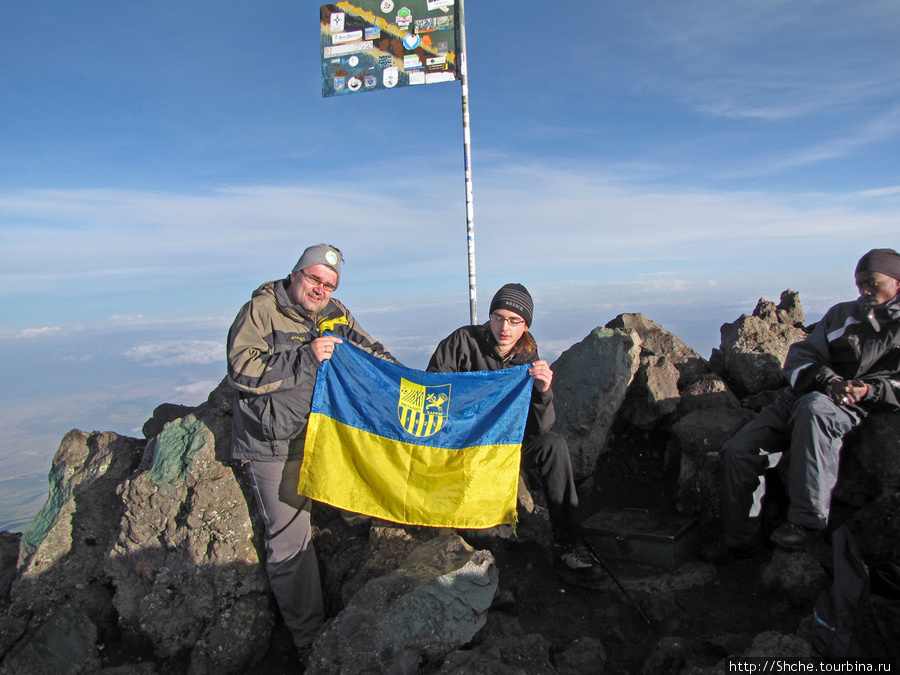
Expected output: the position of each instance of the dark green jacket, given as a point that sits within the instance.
(273, 369)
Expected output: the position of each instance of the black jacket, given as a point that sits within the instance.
(473, 348)
(854, 342)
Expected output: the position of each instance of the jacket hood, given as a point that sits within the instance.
(891, 308)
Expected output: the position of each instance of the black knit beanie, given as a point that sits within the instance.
(883, 260)
(515, 298)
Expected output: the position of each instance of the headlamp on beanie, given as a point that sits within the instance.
(321, 254)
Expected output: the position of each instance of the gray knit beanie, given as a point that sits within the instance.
(515, 298)
(321, 254)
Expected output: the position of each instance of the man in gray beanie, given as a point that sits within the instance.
(503, 342)
(847, 367)
(275, 346)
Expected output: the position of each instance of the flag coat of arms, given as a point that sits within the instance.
(436, 449)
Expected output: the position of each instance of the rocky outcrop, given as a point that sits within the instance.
(754, 347)
(591, 380)
(798, 577)
(61, 557)
(183, 562)
(9, 555)
(150, 539)
(65, 643)
(876, 446)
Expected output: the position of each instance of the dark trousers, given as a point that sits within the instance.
(547, 456)
(811, 428)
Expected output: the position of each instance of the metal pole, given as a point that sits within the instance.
(617, 582)
(467, 149)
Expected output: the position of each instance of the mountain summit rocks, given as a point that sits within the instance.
(147, 555)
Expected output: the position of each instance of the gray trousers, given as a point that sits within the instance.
(811, 428)
(290, 556)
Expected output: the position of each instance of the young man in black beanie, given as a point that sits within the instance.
(504, 342)
(847, 367)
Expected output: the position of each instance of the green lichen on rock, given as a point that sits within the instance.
(60, 492)
(175, 449)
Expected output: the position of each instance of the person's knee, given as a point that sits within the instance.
(556, 442)
(743, 460)
(555, 450)
(820, 414)
(732, 452)
(812, 405)
(547, 453)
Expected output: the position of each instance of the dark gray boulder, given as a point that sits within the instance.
(590, 381)
(699, 437)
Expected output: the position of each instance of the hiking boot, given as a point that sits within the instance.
(718, 553)
(578, 559)
(792, 537)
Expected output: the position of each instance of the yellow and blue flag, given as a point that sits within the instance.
(436, 449)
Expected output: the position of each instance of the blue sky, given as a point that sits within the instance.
(158, 161)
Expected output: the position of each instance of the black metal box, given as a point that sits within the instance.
(660, 539)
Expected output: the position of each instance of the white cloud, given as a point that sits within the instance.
(177, 352)
(194, 393)
(36, 332)
(881, 192)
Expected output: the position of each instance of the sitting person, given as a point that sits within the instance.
(504, 342)
(848, 366)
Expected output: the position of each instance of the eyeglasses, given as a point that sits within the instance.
(316, 281)
(500, 320)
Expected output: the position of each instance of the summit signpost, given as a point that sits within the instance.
(372, 45)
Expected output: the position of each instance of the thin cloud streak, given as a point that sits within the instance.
(36, 332)
(764, 60)
(885, 127)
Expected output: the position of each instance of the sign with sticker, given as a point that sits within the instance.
(411, 41)
(371, 45)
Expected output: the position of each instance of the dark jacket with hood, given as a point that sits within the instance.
(853, 341)
(473, 348)
(273, 369)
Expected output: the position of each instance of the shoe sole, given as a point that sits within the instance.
(571, 576)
